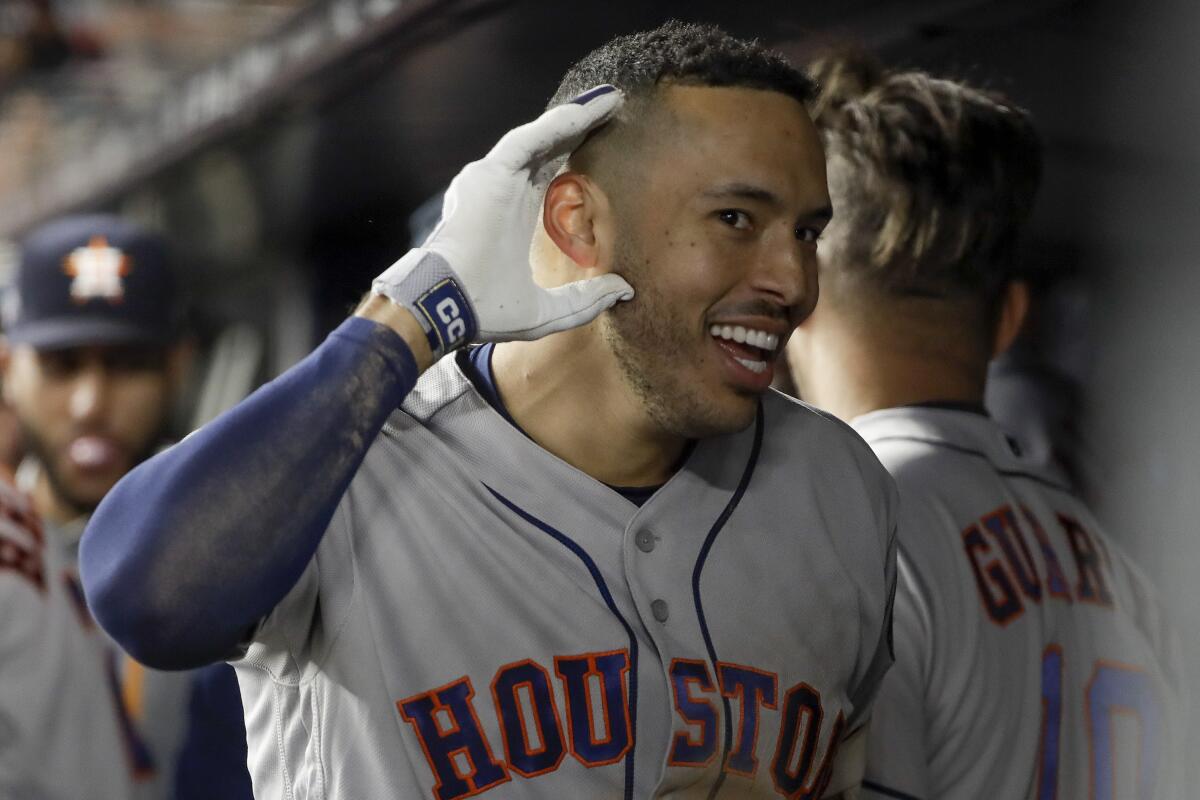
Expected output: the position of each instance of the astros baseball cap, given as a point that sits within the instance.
(92, 279)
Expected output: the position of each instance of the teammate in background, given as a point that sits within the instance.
(597, 559)
(91, 361)
(91, 364)
(1032, 660)
(87, 415)
(61, 727)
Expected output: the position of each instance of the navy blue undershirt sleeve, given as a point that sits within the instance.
(193, 547)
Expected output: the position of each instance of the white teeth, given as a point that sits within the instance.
(754, 366)
(736, 333)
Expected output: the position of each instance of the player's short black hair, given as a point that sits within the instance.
(687, 53)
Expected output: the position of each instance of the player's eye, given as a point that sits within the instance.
(59, 363)
(807, 234)
(131, 359)
(734, 218)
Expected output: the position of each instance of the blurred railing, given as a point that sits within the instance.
(118, 110)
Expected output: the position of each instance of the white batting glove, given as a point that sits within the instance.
(471, 279)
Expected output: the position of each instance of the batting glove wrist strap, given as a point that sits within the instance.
(423, 282)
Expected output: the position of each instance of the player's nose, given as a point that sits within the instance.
(89, 392)
(786, 272)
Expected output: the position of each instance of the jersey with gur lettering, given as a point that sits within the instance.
(62, 733)
(1033, 660)
(483, 619)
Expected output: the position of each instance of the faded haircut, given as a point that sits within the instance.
(686, 53)
(677, 53)
(931, 179)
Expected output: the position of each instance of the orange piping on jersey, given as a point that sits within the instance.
(133, 684)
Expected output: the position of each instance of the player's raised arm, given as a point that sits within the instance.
(192, 548)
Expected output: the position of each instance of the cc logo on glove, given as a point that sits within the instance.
(450, 314)
(449, 320)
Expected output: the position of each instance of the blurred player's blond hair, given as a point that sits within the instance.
(935, 177)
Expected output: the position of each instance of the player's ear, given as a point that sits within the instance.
(1014, 307)
(573, 214)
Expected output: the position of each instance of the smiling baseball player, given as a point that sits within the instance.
(1033, 660)
(596, 559)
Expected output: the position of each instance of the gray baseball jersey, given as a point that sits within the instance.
(62, 735)
(1032, 659)
(153, 703)
(482, 618)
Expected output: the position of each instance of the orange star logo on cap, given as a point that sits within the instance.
(98, 271)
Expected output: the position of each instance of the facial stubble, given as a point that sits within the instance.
(60, 486)
(655, 346)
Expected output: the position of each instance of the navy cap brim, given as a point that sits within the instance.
(82, 331)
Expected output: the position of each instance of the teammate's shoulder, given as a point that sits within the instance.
(915, 439)
(786, 413)
(802, 434)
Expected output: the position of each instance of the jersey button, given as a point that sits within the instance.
(660, 610)
(645, 541)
